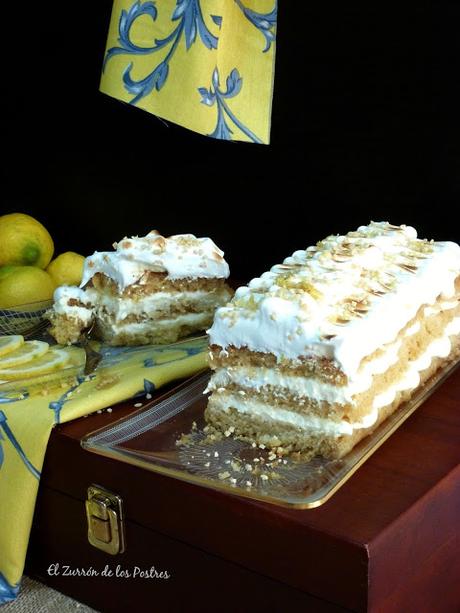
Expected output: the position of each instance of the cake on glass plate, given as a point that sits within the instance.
(148, 290)
(312, 356)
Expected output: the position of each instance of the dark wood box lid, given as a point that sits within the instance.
(385, 540)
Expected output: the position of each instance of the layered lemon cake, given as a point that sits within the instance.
(148, 290)
(315, 354)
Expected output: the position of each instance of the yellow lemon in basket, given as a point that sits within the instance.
(23, 285)
(10, 343)
(30, 350)
(67, 268)
(53, 360)
(24, 241)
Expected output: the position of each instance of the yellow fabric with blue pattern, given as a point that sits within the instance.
(27, 417)
(207, 65)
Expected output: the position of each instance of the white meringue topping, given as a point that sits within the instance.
(181, 256)
(342, 299)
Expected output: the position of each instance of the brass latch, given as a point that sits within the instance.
(104, 511)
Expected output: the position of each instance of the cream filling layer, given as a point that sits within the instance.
(277, 415)
(444, 306)
(63, 295)
(79, 314)
(410, 380)
(159, 301)
(257, 378)
(439, 348)
(190, 319)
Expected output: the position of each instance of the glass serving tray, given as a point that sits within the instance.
(167, 436)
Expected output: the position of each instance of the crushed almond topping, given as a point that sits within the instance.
(216, 256)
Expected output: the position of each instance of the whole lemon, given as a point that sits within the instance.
(23, 285)
(67, 268)
(24, 241)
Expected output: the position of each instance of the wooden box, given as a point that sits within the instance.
(388, 540)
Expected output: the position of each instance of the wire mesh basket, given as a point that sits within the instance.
(26, 319)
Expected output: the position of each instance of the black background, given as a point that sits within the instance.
(364, 127)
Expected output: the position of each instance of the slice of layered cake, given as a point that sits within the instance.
(315, 354)
(148, 290)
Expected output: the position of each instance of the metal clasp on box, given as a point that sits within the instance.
(104, 511)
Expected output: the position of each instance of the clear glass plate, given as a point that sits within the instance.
(167, 436)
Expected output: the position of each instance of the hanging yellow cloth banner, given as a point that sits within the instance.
(207, 65)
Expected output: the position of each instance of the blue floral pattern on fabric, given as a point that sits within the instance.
(117, 355)
(7, 592)
(191, 23)
(57, 405)
(216, 95)
(127, 19)
(160, 355)
(149, 388)
(10, 436)
(8, 397)
(265, 22)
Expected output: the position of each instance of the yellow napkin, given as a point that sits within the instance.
(207, 65)
(27, 417)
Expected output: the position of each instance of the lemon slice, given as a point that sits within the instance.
(30, 350)
(77, 356)
(54, 359)
(10, 343)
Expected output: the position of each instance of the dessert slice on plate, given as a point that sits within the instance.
(148, 290)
